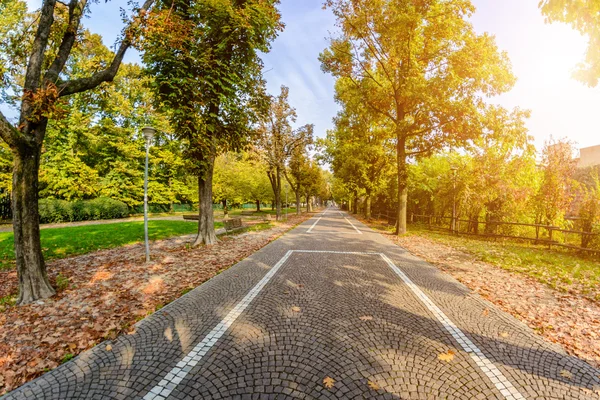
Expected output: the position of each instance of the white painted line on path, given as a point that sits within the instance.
(179, 372)
(166, 386)
(487, 367)
(313, 225)
(355, 228)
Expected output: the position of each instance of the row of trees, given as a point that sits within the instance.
(201, 86)
(412, 80)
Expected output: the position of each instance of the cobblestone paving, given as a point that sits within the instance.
(329, 302)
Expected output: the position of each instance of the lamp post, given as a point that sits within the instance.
(454, 169)
(148, 132)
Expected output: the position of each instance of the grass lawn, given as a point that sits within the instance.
(69, 241)
(262, 211)
(559, 268)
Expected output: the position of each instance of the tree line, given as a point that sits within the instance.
(416, 132)
(81, 108)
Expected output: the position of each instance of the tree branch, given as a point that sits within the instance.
(75, 14)
(8, 132)
(107, 75)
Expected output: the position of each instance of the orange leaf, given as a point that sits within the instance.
(328, 382)
(449, 356)
(373, 385)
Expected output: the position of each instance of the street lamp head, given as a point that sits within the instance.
(148, 132)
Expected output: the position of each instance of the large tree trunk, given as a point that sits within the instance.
(368, 206)
(31, 269)
(402, 186)
(355, 206)
(206, 225)
(308, 203)
(298, 201)
(257, 205)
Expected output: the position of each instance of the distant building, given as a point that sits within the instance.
(589, 156)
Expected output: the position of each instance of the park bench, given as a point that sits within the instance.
(191, 217)
(232, 224)
(247, 213)
(266, 217)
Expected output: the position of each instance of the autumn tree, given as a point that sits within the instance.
(584, 16)
(278, 140)
(205, 58)
(555, 195)
(359, 147)
(35, 72)
(422, 67)
(298, 173)
(241, 178)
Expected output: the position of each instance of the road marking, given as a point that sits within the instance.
(313, 225)
(179, 372)
(355, 228)
(166, 386)
(487, 367)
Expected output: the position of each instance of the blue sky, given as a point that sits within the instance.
(542, 55)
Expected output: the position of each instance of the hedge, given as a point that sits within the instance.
(52, 210)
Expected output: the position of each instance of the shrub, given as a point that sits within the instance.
(52, 210)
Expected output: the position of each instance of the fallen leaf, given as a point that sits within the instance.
(504, 334)
(108, 347)
(328, 382)
(449, 356)
(373, 385)
(72, 346)
(296, 309)
(366, 318)
(566, 374)
(486, 312)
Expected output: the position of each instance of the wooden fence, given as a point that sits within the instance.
(536, 233)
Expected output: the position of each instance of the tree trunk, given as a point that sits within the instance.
(308, 204)
(298, 205)
(275, 179)
(206, 225)
(368, 207)
(257, 205)
(355, 206)
(31, 269)
(402, 186)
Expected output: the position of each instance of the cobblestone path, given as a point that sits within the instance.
(330, 310)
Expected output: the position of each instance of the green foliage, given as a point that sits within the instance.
(62, 282)
(204, 58)
(67, 357)
(240, 179)
(54, 210)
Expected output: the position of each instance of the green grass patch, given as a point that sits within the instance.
(561, 269)
(70, 241)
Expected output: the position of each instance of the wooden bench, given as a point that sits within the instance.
(247, 213)
(266, 217)
(191, 217)
(232, 224)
